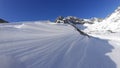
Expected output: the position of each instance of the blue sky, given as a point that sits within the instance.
(32, 10)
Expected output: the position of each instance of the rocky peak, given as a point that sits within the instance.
(76, 20)
(59, 19)
(94, 19)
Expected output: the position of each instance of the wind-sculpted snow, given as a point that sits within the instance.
(45, 45)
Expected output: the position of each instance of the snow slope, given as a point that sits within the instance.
(108, 29)
(48, 45)
(109, 24)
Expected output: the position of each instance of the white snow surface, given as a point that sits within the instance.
(108, 29)
(109, 24)
(49, 45)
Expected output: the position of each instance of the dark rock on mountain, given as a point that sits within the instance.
(94, 20)
(3, 21)
(76, 20)
(59, 19)
(68, 19)
(72, 21)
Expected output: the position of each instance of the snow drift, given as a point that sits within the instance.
(47, 45)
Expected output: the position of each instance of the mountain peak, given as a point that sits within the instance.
(76, 20)
(114, 17)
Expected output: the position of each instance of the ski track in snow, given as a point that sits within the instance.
(44, 45)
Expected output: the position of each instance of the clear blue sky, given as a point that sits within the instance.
(32, 10)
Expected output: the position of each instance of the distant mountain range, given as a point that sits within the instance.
(77, 20)
(114, 17)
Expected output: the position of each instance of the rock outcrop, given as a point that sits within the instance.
(3, 21)
(76, 20)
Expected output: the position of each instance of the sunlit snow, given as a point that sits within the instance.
(47, 45)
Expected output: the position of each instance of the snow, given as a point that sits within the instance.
(111, 24)
(48, 45)
(114, 40)
(108, 29)
(10, 62)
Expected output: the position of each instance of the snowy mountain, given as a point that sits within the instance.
(108, 29)
(45, 44)
(113, 21)
(114, 17)
(76, 20)
(110, 24)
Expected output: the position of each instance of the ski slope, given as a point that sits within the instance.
(49, 45)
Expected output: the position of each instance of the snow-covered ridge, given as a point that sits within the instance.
(114, 17)
(110, 24)
(108, 29)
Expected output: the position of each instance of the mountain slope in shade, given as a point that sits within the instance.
(49, 45)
